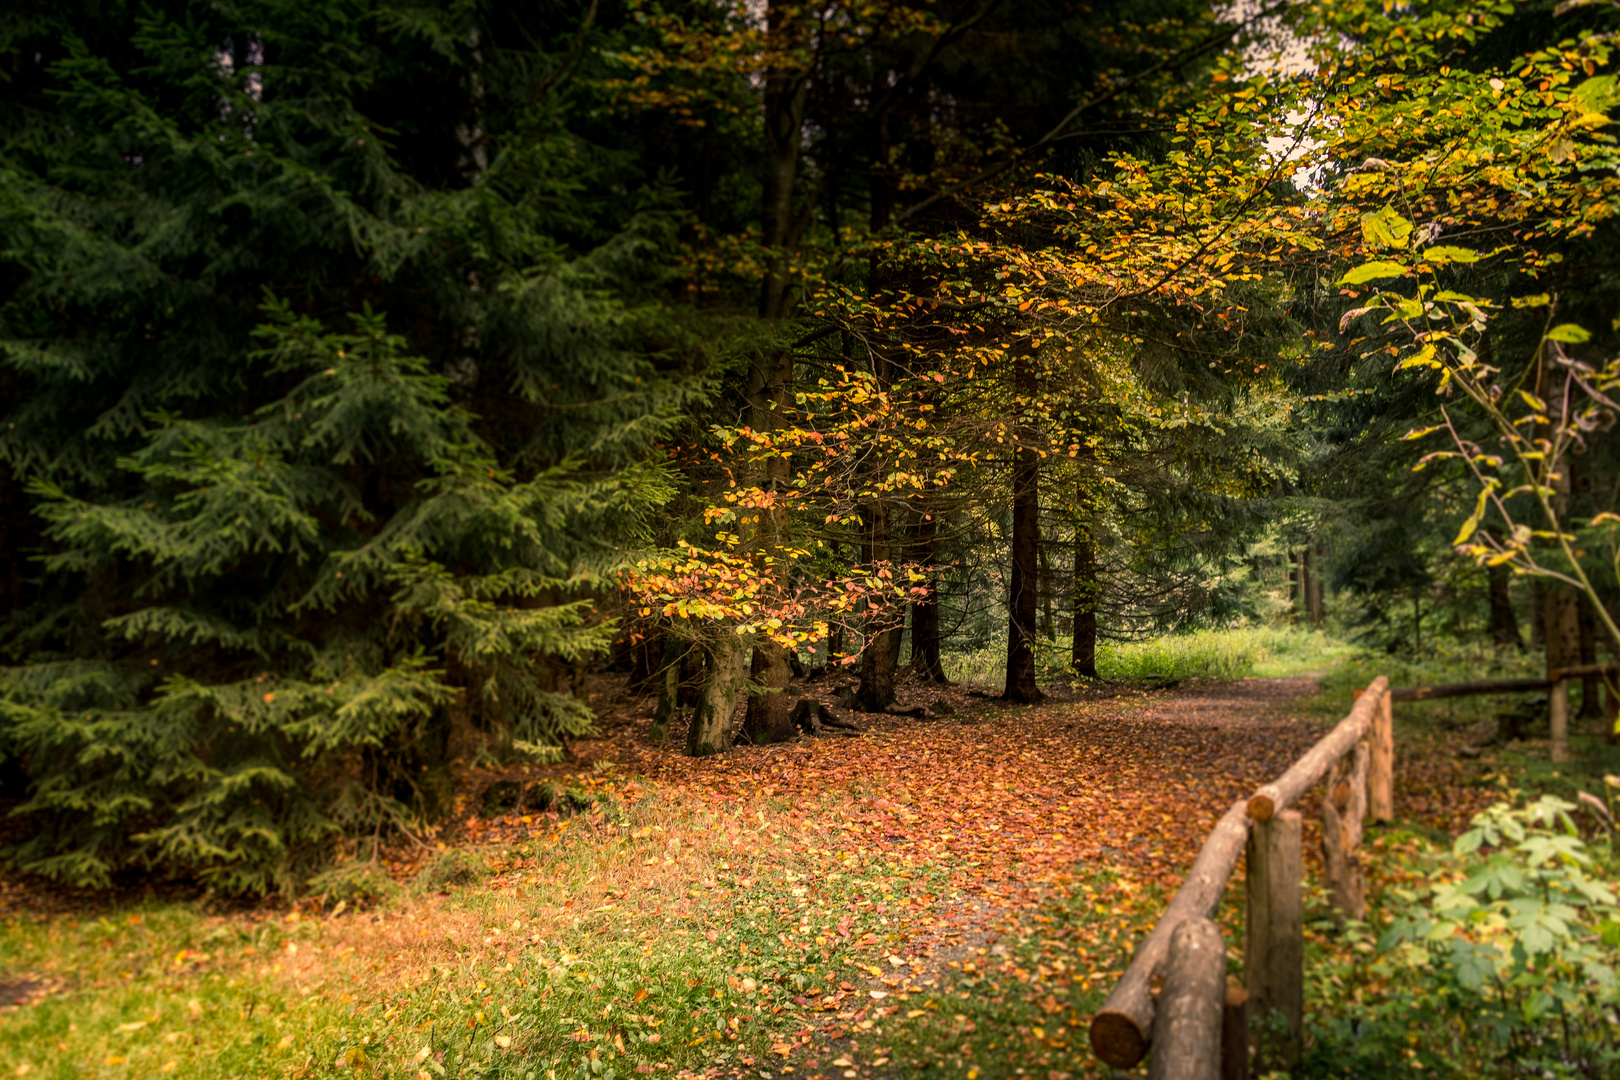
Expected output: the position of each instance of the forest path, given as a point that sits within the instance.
(1130, 781)
(988, 870)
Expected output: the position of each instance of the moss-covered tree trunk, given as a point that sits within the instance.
(883, 621)
(710, 730)
(767, 719)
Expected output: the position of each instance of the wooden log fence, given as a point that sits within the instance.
(1197, 1025)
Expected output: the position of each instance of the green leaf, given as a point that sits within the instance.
(1372, 271)
(1569, 334)
(1385, 228)
(1444, 253)
(1595, 96)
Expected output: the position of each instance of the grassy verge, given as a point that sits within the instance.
(645, 940)
(1234, 653)
(646, 944)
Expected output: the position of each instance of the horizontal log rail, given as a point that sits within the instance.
(1357, 760)
(1315, 762)
(1468, 689)
(1500, 686)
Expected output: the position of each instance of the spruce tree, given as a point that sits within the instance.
(326, 415)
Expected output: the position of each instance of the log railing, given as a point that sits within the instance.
(1201, 1014)
(1174, 999)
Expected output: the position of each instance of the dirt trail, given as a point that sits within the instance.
(1132, 781)
(1020, 804)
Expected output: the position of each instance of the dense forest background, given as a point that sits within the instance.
(372, 373)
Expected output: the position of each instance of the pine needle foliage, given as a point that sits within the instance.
(327, 412)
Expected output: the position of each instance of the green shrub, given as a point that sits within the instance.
(1502, 964)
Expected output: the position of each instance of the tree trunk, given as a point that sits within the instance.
(883, 620)
(1560, 606)
(835, 642)
(767, 719)
(784, 127)
(771, 380)
(1313, 588)
(671, 661)
(1560, 627)
(1538, 602)
(1301, 588)
(1023, 595)
(644, 660)
(1083, 653)
(710, 730)
(1591, 705)
(1504, 623)
(1048, 623)
(925, 646)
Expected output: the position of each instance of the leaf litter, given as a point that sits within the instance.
(955, 893)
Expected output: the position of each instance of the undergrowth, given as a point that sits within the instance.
(1493, 956)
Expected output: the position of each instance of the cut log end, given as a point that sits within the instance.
(1261, 808)
(1117, 1040)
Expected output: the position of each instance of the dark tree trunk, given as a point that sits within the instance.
(1538, 600)
(883, 621)
(1591, 703)
(1048, 621)
(784, 102)
(1313, 588)
(767, 719)
(1024, 593)
(1504, 623)
(645, 653)
(19, 537)
(1301, 603)
(679, 680)
(1561, 627)
(835, 641)
(925, 659)
(1083, 654)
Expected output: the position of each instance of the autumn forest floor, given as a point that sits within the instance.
(948, 897)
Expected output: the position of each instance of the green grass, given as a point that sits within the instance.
(1234, 653)
(671, 939)
(588, 959)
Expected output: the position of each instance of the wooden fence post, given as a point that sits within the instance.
(1274, 933)
(1381, 766)
(1344, 804)
(1558, 708)
(1235, 1032)
(1187, 1029)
